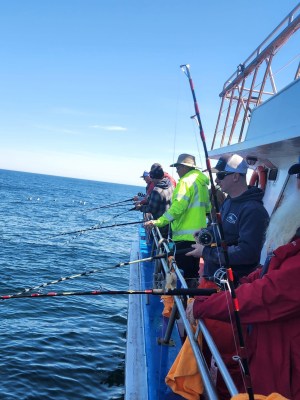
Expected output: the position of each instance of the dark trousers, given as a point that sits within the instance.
(189, 264)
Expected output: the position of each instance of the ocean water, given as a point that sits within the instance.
(70, 347)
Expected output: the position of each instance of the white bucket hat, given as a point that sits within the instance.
(185, 159)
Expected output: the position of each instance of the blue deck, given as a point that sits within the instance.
(159, 358)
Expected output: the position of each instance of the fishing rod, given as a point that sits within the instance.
(96, 227)
(101, 223)
(157, 292)
(186, 70)
(93, 271)
(86, 273)
(124, 212)
(109, 205)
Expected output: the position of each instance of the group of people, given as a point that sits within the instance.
(268, 295)
(184, 212)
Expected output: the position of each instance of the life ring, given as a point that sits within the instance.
(259, 177)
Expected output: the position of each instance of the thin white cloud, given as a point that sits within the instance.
(109, 127)
(57, 130)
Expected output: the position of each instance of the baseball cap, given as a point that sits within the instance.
(145, 173)
(233, 163)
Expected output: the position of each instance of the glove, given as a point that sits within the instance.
(189, 312)
(197, 253)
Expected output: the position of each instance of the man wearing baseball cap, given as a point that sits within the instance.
(244, 222)
(144, 198)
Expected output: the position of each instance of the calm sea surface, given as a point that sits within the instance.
(62, 347)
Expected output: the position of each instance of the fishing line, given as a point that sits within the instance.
(219, 279)
(246, 372)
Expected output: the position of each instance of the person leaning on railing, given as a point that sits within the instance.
(160, 197)
(190, 204)
(149, 187)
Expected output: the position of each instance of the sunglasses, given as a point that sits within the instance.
(221, 175)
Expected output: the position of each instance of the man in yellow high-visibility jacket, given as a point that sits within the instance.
(190, 204)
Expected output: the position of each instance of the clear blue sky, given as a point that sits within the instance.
(92, 89)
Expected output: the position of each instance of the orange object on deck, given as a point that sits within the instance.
(183, 377)
(168, 304)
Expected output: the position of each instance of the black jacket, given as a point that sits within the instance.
(160, 199)
(244, 221)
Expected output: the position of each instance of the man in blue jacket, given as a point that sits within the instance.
(244, 221)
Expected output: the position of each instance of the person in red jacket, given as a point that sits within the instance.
(269, 304)
(171, 179)
(144, 198)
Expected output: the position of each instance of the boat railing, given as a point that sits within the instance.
(255, 80)
(160, 245)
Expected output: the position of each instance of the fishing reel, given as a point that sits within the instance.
(205, 237)
(220, 277)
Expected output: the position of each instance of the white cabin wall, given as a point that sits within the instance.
(273, 136)
(278, 117)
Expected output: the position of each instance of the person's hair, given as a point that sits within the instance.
(156, 171)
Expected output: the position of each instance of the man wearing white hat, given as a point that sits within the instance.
(244, 221)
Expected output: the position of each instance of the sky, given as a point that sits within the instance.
(93, 89)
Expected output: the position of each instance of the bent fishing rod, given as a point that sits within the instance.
(157, 292)
(186, 70)
(92, 228)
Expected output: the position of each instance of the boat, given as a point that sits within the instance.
(260, 123)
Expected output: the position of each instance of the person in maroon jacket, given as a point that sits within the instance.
(269, 304)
